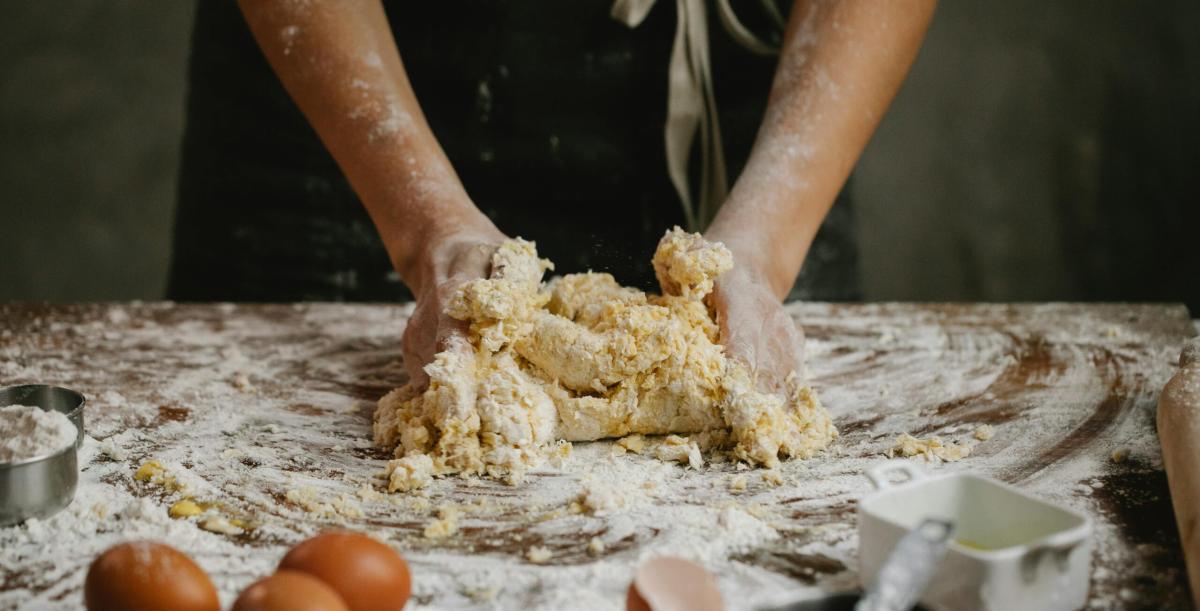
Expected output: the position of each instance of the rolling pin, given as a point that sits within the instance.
(1179, 433)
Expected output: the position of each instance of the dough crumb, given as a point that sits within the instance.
(538, 555)
(984, 432)
(185, 508)
(633, 443)
(737, 483)
(598, 500)
(757, 510)
(148, 471)
(931, 449)
(481, 594)
(223, 526)
(772, 478)
(595, 546)
(409, 473)
(445, 525)
(1120, 455)
(309, 499)
(369, 494)
(111, 450)
(560, 453)
(674, 448)
(345, 506)
(154, 472)
(241, 381)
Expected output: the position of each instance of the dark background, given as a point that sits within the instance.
(1038, 151)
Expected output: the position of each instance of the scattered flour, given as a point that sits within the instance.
(317, 368)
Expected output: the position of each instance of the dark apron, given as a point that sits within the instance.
(551, 112)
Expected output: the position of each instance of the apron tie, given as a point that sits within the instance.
(691, 105)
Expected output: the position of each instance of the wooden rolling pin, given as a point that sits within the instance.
(1179, 433)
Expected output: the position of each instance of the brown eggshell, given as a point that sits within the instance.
(673, 584)
(368, 575)
(289, 591)
(147, 576)
(634, 600)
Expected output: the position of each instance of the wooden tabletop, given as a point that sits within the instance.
(262, 414)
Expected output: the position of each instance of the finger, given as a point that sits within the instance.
(452, 333)
(417, 376)
(774, 352)
(738, 342)
(417, 343)
(470, 262)
(799, 349)
(742, 331)
(415, 360)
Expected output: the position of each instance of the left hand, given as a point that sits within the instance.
(756, 329)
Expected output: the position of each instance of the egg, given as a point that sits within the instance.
(368, 575)
(673, 584)
(289, 591)
(147, 576)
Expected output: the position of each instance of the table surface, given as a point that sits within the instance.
(262, 413)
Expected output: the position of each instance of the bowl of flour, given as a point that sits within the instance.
(41, 428)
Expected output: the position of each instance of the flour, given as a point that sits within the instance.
(29, 432)
(288, 36)
(318, 368)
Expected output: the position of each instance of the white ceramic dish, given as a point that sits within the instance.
(1010, 550)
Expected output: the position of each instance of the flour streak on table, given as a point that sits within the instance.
(261, 411)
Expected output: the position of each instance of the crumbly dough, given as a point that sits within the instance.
(582, 358)
(538, 554)
(932, 449)
(596, 546)
(445, 525)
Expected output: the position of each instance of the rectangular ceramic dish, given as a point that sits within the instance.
(1010, 550)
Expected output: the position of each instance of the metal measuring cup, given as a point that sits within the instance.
(41, 486)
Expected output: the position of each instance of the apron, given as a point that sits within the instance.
(552, 114)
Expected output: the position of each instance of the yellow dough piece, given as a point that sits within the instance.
(582, 358)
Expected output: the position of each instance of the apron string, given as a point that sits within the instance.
(691, 105)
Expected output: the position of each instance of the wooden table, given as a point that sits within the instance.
(263, 413)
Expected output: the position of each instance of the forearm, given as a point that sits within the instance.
(339, 62)
(841, 64)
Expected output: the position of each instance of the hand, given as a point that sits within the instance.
(756, 329)
(446, 265)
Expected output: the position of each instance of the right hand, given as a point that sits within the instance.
(446, 265)
(757, 330)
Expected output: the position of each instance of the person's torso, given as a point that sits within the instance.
(552, 114)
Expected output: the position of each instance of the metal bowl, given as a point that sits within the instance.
(41, 486)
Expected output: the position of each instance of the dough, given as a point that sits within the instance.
(582, 358)
(932, 449)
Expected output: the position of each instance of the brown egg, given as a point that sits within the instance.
(673, 584)
(147, 576)
(368, 575)
(289, 591)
